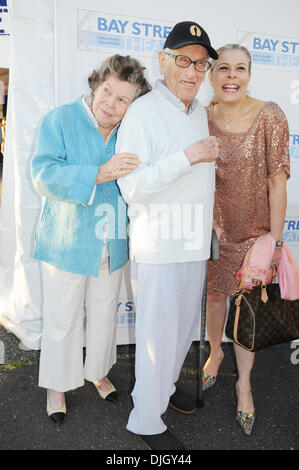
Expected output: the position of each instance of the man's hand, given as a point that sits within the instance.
(206, 150)
(119, 165)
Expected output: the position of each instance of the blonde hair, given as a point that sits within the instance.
(226, 48)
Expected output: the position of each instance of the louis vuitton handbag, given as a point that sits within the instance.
(260, 318)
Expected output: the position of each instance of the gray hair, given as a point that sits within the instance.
(126, 68)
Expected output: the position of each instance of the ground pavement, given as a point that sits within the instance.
(93, 424)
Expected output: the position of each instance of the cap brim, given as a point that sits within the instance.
(212, 53)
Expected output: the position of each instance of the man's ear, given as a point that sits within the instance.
(162, 61)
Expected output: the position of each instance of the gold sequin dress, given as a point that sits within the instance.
(241, 209)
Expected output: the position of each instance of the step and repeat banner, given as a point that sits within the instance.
(56, 45)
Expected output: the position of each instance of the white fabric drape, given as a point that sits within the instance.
(31, 94)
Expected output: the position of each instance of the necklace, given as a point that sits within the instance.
(227, 122)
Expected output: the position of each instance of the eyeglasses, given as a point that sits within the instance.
(184, 62)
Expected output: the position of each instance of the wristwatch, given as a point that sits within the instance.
(279, 243)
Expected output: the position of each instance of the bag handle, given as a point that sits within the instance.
(237, 316)
(238, 300)
(236, 323)
(264, 295)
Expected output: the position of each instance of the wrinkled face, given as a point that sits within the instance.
(184, 83)
(111, 100)
(230, 76)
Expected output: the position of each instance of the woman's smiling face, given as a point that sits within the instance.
(111, 100)
(230, 76)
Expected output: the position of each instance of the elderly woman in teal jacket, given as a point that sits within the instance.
(81, 237)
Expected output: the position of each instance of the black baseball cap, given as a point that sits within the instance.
(186, 33)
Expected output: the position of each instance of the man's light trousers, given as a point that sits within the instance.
(168, 302)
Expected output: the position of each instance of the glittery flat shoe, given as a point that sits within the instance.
(208, 381)
(246, 421)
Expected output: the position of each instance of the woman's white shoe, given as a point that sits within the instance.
(110, 395)
(56, 415)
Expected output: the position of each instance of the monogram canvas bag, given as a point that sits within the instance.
(260, 318)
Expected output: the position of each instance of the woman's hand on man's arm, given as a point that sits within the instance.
(119, 165)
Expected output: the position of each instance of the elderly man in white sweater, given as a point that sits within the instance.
(170, 198)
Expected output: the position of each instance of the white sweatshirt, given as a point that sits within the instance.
(170, 202)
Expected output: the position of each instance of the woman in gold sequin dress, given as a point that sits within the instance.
(250, 199)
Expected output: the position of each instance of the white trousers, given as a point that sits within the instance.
(168, 301)
(66, 296)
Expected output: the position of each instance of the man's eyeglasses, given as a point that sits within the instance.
(184, 62)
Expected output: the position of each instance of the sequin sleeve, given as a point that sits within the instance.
(277, 141)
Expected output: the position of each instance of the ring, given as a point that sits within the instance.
(273, 265)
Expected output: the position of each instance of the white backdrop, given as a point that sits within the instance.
(54, 46)
(4, 34)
